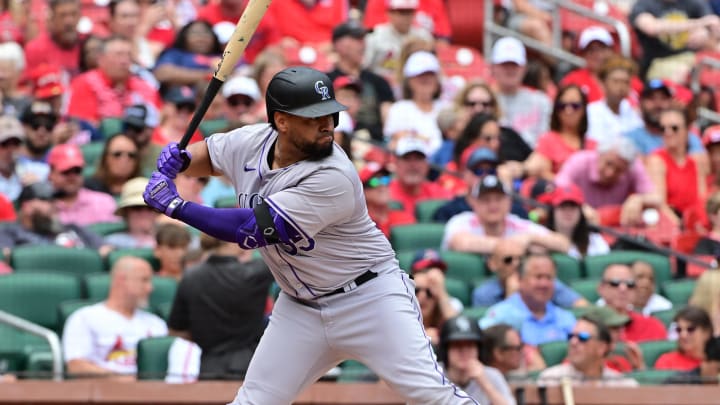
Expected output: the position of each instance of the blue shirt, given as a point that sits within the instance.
(555, 325)
(490, 292)
(185, 59)
(648, 143)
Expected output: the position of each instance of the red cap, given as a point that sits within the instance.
(47, 81)
(341, 82)
(370, 170)
(711, 135)
(427, 258)
(569, 193)
(65, 156)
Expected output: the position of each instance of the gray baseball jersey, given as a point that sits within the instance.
(323, 200)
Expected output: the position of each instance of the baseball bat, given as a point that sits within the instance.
(244, 30)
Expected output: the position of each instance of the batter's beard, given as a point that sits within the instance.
(315, 151)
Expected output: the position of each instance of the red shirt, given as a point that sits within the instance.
(265, 35)
(554, 148)
(587, 82)
(428, 190)
(308, 24)
(618, 363)
(7, 210)
(431, 15)
(43, 49)
(676, 361)
(681, 181)
(643, 328)
(451, 182)
(394, 218)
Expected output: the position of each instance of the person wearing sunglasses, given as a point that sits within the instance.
(503, 349)
(138, 123)
(617, 291)
(693, 328)
(707, 372)
(376, 179)
(180, 103)
(137, 216)
(118, 163)
(38, 121)
(241, 96)
(588, 345)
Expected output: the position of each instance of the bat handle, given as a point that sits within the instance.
(212, 89)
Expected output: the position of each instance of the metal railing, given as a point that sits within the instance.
(492, 29)
(37, 330)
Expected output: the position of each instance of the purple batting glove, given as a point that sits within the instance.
(162, 195)
(173, 160)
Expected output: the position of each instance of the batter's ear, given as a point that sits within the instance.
(281, 121)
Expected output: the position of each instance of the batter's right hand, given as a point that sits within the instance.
(173, 160)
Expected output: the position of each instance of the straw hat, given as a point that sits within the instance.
(132, 194)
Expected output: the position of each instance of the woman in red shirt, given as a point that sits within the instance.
(693, 328)
(568, 125)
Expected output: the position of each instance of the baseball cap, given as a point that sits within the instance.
(508, 49)
(65, 156)
(350, 28)
(47, 81)
(140, 116)
(131, 194)
(461, 328)
(180, 95)
(342, 82)
(488, 184)
(426, 258)
(36, 111)
(567, 193)
(656, 85)
(10, 128)
(372, 169)
(592, 34)
(239, 85)
(409, 144)
(606, 315)
(538, 189)
(36, 191)
(402, 4)
(480, 155)
(711, 135)
(421, 62)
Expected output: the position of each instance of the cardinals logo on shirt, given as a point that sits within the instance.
(322, 90)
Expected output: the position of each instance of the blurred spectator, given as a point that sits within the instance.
(217, 187)
(617, 290)
(175, 116)
(223, 16)
(49, 84)
(90, 49)
(567, 218)
(38, 223)
(220, 306)
(118, 163)
(708, 370)
(190, 188)
(711, 140)
(416, 114)
(461, 343)
(139, 123)
(694, 329)
(647, 300)
(504, 262)
(106, 91)
(611, 176)
(669, 32)
(383, 44)
(531, 308)
(410, 184)
(139, 218)
(192, 58)
(532, 18)
(709, 244)
(12, 67)
(136, 21)
(503, 349)
(76, 204)
(588, 345)
(480, 231)
(595, 46)
(613, 115)
(265, 66)
(567, 135)
(101, 339)
(12, 179)
(525, 110)
(679, 180)
(241, 96)
(450, 121)
(172, 242)
(348, 41)
(436, 305)
(7, 214)
(60, 41)
(375, 179)
(626, 356)
(307, 22)
(431, 15)
(349, 92)
(705, 295)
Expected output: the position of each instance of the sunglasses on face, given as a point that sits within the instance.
(615, 283)
(571, 106)
(10, 143)
(189, 107)
(478, 103)
(119, 153)
(511, 348)
(582, 337)
(378, 181)
(689, 329)
(482, 171)
(670, 128)
(508, 260)
(75, 171)
(240, 100)
(48, 125)
(426, 290)
(490, 138)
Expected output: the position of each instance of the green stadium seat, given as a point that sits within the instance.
(163, 291)
(651, 376)
(586, 288)
(553, 352)
(16, 347)
(209, 127)
(468, 267)
(144, 253)
(417, 236)
(107, 228)
(52, 258)
(678, 291)
(97, 286)
(458, 289)
(595, 265)
(226, 202)
(110, 126)
(424, 210)
(66, 308)
(353, 371)
(36, 296)
(475, 312)
(568, 268)
(92, 152)
(405, 258)
(651, 350)
(163, 310)
(666, 316)
(152, 357)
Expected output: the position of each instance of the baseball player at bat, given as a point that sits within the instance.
(301, 204)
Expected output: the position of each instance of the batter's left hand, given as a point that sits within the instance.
(162, 195)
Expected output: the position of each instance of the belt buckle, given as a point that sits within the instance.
(350, 286)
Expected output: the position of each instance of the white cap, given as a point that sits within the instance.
(402, 4)
(241, 85)
(508, 49)
(421, 62)
(591, 34)
(407, 144)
